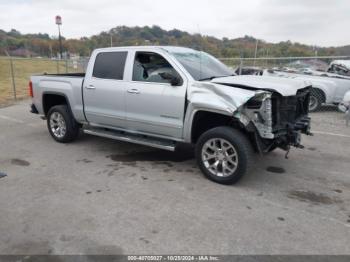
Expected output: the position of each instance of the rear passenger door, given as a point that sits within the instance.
(104, 89)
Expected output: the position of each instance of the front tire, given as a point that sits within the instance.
(223, 154)
(316, 101)
(61, 124)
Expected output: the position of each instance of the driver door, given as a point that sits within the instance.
(153, 105)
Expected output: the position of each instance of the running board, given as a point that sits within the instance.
(136, 139)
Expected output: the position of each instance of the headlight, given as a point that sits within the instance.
(257, 101)
(259, 111)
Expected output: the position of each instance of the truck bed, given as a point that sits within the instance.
(69, 85)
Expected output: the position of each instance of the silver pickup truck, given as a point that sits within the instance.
(160, 96)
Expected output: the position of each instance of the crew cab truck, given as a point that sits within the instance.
(160, 96)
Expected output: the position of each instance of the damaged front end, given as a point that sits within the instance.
(275, 121)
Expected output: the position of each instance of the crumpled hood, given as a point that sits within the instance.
(283, 86)
(212, 95)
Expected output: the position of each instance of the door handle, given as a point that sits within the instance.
(90, 87)
(134, 91)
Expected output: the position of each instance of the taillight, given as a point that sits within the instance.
(31, 89)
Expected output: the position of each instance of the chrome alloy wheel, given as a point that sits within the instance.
(220, 157)
(58, 125)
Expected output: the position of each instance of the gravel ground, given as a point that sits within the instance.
(99, 196)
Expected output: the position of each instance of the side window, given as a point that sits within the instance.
(110, 65)
(148, 67)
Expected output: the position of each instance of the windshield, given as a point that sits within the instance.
(201, 65)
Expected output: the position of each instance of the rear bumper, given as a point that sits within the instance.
(33, 109)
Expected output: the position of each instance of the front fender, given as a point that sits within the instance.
(214, 98)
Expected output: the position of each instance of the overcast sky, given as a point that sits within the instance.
(315, 22)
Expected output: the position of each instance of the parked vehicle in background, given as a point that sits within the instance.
(308, 71)
(162, 96)
(340, 67)
(325, 90)
(344, 106)
(247, 70)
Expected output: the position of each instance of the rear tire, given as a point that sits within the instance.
(61, 124)
(223, 154)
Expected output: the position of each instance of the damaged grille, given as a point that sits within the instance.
(288, 110)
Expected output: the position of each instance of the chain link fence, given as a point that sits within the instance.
(328, 88)
(15, 73)
(320, 63)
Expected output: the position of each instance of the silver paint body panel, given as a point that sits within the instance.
(155, 109)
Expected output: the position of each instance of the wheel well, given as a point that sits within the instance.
(50, 100)
(319, 94)
(203, 121)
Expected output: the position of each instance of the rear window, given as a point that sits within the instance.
(110, 65)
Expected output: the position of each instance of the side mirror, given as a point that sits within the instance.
(173, 80)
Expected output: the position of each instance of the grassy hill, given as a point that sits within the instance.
(46, 46)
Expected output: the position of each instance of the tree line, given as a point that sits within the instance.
(47, 46)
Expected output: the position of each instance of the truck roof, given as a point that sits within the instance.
(178, 49)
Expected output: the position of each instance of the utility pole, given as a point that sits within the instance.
(50, 47)
(256, 50)
(111, 39)
(240, 62)
(267, 55)
(59, 23)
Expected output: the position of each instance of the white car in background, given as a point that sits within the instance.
(325, 90)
